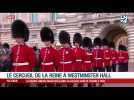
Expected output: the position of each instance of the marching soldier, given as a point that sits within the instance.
(79, 53)
(98, 55)
(66, 54)
(114, 57)
(22, 56)
(106, 55)
(77, 41)
(88, 57)
(123, 58)
(48, 54)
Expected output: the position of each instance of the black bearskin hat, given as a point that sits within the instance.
(6, 45)
(122, 47)
(64, 37)
(105, 42)
(46, 34)
(77, 38)
(87, 42)
(111, 45)
(20, 29)
(97, 41)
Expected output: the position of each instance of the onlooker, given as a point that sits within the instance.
(5, 62)
(6, 45)
(36, 68)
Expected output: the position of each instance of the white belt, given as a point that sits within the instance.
(67, 62)
(107, 58)
(89, 54)
(50, 63)
(122, 57)
(87, 61)
(20, 64)
(113, 57)
(78, 60)
(98, 58)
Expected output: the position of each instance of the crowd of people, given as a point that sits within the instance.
(83, 55)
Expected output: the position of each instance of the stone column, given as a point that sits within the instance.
(130, 31)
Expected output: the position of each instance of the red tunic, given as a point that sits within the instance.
(79, 57)
(126, 56)
(122, 56)
(48, 58)
(87, 63)
(106, 57)
(97, 57)
(114, 56)
(66, 60)
(23, 58)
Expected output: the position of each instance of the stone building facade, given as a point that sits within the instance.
(104, 25)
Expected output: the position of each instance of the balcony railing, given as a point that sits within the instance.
(93, 16)
(29, 25)
(34, 24)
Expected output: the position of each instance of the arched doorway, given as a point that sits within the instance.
(115, 33)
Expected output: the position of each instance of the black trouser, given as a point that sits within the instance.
(98, 69)
(123, 67)
(101, 69)
(108, 68)
(94, 69)
(113, 68)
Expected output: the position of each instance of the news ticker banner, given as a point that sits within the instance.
(66, 77)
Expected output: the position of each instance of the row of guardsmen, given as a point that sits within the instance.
(84, 56)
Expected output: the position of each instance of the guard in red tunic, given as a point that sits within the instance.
(123, 58)
(106, 55)
(114, 57)
(126, 59)
(66, 54)
(79, 52)
(22, 56)
(97, 55)
(79, 55)
(48, 55)
(88, 57)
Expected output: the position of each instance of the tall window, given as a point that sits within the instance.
(54, 16)
(34, 18)
(57, 15)
(16, 15)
